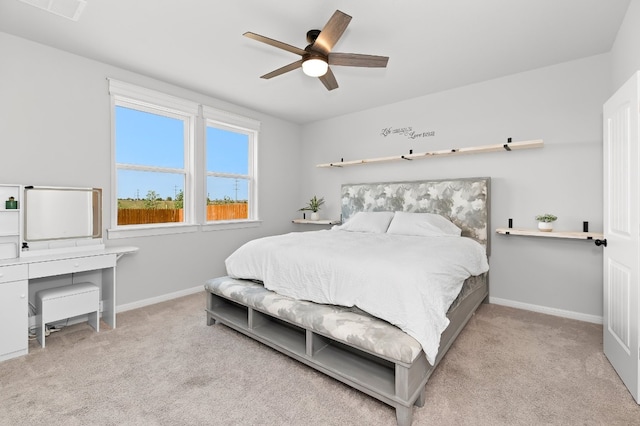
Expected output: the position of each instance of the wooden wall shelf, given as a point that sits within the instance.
(509, 146)
(317, 222)
(552, 234)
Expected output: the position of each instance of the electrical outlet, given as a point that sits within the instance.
(101, 306)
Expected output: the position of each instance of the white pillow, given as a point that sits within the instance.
(422, 224)
(374, 222)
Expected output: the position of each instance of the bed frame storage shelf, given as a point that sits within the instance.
(368, 371)
(278, 332)
(509, 146)
(231, 313)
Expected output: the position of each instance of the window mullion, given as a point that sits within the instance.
(229, 175)
(144, 168)
(191, 141)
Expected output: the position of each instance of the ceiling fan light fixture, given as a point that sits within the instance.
(315, 57)
(315, 67)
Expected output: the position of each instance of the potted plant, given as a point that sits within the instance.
(314, 206)
(11, 203)
(545, 222)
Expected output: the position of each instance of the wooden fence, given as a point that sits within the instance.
(227, 211)
(214, 212)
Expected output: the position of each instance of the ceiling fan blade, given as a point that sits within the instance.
(329, 80)
(331, 32)
(286, 68)
(275, 43)
(358, 60)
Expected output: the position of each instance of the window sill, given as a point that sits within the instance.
(149, 231)
(230, 224)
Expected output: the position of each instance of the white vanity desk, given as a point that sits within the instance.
(21, 278)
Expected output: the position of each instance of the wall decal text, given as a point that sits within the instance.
(407, 132)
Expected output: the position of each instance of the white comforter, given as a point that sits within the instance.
(408, 281)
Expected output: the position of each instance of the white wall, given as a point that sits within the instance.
(55, 130)
(560, 104)
(625, 53)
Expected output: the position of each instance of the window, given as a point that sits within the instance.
(160, 183)
(230, 166)
(150, 164)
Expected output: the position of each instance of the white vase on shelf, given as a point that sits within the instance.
(545, 226)
(315, 216)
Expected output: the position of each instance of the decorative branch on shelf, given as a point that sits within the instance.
(509, 146)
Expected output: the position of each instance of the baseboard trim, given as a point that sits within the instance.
(123, 308)
(546, 310)
(496, 300)
(158, 299)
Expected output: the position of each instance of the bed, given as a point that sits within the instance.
(375, 302)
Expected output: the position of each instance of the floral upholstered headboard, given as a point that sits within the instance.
(465, 201)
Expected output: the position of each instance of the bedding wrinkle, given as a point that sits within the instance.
(409, 281)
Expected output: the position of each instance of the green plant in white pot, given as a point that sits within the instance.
(545, 222)
(314, 207)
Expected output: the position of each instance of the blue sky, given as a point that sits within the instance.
(154, 140)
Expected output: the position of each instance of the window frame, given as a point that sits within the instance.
(196, 117)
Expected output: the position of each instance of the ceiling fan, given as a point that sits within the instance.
(317, 56)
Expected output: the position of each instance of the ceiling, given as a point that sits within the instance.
(433, 45)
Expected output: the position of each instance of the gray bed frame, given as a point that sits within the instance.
(401, 385)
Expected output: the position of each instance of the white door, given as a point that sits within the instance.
(622, 232)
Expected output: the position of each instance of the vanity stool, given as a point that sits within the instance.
(68, 301)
